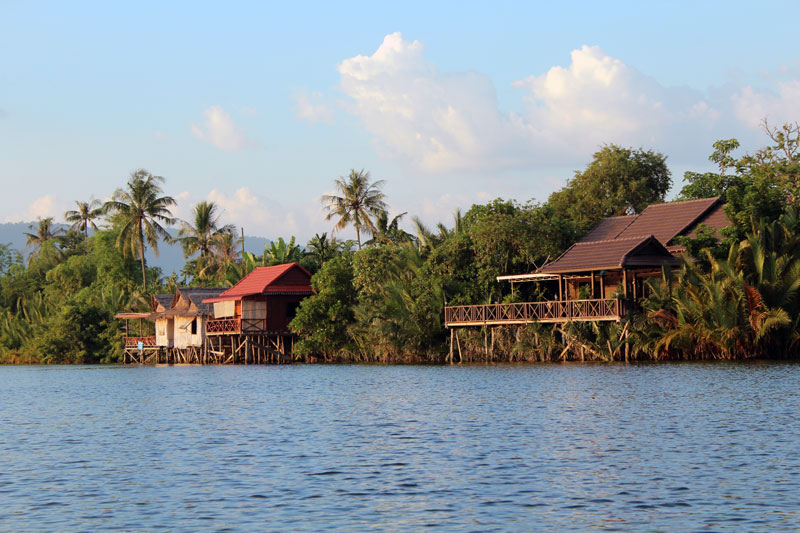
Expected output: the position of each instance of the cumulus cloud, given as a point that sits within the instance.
(220, 130)
(440, 121)
(309, 107)
(752, 106)
(451, 121)
(45, 206)
(258, 215)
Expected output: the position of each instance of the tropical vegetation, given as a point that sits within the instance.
(381, 297)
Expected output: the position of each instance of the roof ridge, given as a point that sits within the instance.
(684, 201)
(638, 237)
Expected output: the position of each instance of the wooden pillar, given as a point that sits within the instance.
(486, 342)
(593, 296)
(450, 357)
(560, 291)
(458, 345)
(625, 282)
(602, 288)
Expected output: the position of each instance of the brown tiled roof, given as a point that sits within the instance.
(666, 221)
(715, 219)
(608, 255)
(608, 228)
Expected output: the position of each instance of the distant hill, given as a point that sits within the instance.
(170, 257)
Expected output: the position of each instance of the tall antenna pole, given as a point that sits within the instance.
(243, 244)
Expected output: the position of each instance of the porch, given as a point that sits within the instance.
(551, 312)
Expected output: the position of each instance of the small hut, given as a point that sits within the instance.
(189, 315)
(164, 328)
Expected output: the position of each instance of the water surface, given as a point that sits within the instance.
(547, 447)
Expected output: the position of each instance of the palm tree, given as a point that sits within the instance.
(84, 216)
(281, 252)
(321, 249)
(198, 236)
(358, 201)
(389, 232)
(44, 234)
(141, 211)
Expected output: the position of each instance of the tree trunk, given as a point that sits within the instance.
(358, 237)
(141, 255)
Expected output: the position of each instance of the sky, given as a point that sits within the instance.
(260, 106)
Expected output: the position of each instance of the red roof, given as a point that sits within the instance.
(269, 280)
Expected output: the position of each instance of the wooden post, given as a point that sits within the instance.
(560, 292)
(450, 357)
(458, 345)
(486, 342)
(593, 297)
(625, 283)
(491, 349)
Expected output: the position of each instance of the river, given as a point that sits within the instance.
(540, 447)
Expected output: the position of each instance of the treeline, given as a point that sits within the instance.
(381, 298)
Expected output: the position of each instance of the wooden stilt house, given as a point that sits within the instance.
(251, 318)
(189, 315)
(602, 276)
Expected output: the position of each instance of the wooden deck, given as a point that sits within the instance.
(529, 312)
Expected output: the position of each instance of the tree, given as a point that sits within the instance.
(84, 216)
(618, 181)
(281, 252)
(320, 249)
(388, 232)
(197, 236)
(141, 211)
(357, 202)
(44, 233)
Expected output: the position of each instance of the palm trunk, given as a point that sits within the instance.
(358, 237)
(141, 255)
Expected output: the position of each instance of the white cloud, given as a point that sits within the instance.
(752, 106)
(446, 122)
(220, 130)
(308, 107)
(256, 214)
(45, 206)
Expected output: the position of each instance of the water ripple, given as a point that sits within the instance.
(548, 447)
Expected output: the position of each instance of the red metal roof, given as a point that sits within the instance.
(290, 277)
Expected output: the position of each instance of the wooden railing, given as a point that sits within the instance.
(527, 312)
(224, 326)
(133, 342)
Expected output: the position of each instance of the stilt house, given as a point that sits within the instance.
(164, 324)
(189, 315)
(265, 300)
(602, 276)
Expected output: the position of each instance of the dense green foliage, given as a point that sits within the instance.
(382, 300)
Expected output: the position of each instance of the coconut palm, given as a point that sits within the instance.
(44, 233)
(84, 216)
(357, 202)
(388, 232)
(198, 235)
(141, 210)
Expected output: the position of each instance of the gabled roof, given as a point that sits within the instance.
(188, 301)
(667, 221)
(608, 228)
(162, 300)
(608, 255)
(288, 278)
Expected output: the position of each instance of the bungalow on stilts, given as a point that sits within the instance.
(251, 319)
(601, 277)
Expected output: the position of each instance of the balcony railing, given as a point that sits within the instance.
(527, 312)
(227, 326)
(133, 342)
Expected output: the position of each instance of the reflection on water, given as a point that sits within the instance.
(547, 447)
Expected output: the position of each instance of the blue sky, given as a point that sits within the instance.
(259, 106)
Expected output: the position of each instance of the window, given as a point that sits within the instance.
(194, 326)
(291, 309)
